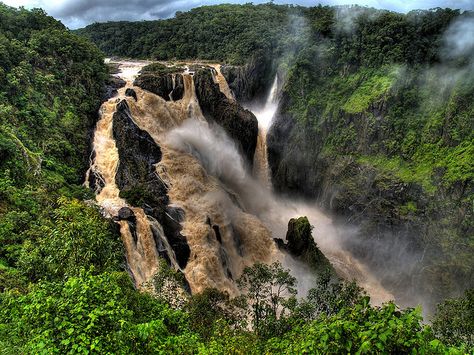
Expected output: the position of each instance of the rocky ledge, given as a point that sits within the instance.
(140, 184)
(239, 123)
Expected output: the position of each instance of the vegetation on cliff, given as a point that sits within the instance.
(380, 107)
(63, 281)
(51, 83)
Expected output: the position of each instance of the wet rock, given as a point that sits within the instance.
(160, 247)
(178, 91)
(250, 81)
(136, 175)
(130, 92)
(239, 123)
(299, 235)
(162, 85)
(300, 243)
(133, 231)
(112, 85)
(96, 182)
(126, 214)
(217, 232)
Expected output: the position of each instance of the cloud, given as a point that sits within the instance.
(459, 38)
(79, 13)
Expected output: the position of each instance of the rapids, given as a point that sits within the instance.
(231, 213)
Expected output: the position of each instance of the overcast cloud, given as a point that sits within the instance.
(79, 13)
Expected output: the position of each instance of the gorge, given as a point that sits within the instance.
(229, 214)
(247, 179)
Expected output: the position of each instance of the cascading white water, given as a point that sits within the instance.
(264, 116)
(208, 179)
(220, 157)
(279, 211)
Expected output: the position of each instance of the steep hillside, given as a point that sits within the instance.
(382, 135)
(51, 85)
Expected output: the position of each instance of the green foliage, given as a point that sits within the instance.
(211, 311)
(454, 320)
(267, 288)
(369, 91)
(226, 32)
(51, 83)
(328, 297)
(90, 313)
(362, 330)
(78, 237)
(158, 68)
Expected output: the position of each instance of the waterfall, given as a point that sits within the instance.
(138, 237)
(264, 116)
(221, 81)
(230, 215)
(220, 157)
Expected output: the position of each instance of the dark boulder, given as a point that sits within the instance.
(126, 213)
(130, 92)
(111, 86)
(239, 123)
(168, 86)
(300, 243)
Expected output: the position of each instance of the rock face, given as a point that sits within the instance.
(168, 86)
(138, 153)
(111, 87)
(299, 235)
(126, 214)
(250, 81)
(342, 184)
(130, 92)
(139, 182)
(240, 124)
(300, 243)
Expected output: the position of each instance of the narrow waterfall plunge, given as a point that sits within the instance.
(230, 214)
(328, 236)
(264, 116)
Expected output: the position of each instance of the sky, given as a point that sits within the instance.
(80, 13)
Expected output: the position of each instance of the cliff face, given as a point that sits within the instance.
(250, 81)
(169, 86)
(139, 182)
(239, 123)
(367, 159)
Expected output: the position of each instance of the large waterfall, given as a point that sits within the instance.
(230, 212)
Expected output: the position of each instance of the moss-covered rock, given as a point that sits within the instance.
(300, 243)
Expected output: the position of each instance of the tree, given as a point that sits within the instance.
(268, 288)
(453, 322)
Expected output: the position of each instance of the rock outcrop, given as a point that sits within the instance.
(169, 86)
(130, 92)
(239, 123)
(111, 87)
(250, 81)
(300, 243)
(140, 184)
(136, 176)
